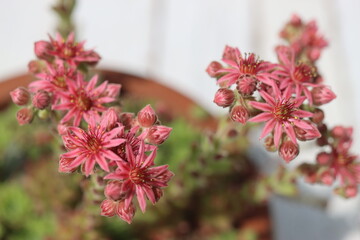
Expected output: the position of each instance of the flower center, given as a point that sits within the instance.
(68, 51)
(283, 111)
(93, 144)
(59, 81)
(303, 73)
(138, 175)
(83, 101)
(249, 65)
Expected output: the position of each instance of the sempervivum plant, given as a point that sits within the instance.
(100, 139)
(286, 96)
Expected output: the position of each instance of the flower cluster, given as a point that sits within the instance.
(285, 95)
(337, 163)
(118, 147)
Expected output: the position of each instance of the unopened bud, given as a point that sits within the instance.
(124, 213)
(110, 118)
(20, 96)
(24, 116)
(246, 85)
(318, 116)
(224, 97)
(41, 99)
(42, 50)
(327, 178)
(108, 208)
(322, 95)
(35, 67)
(114, 190)
(229, 53)
(351, 191)
(269, 144)
(288, 150)
(323, 158)
(147, 117)
(43, 114)
(307, 134)
(239, 114)
(127, 119)
(213, 67)
(158, 134)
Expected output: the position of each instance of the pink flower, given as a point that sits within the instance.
(248, 66)
(281, 113)
(83, 100)
(140, 177)
(24, 116)
(92, 146)
(55, 79)
(147, 116)
(67, 50)
(20, 96)
(224, 97)
(110, 208)
(295, 77)
(322, 95)
(239, 114)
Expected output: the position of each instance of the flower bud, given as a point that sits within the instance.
(313, 54)
(110, 119)
(113, 190)
(127, 119)
(126, 214)
(323, 158)
(158, 134)
(288, 150)
(239, 114)
(113, 90)
(351, 191)
(322, 95)
(224, 97)
(20, 96)
(108, 208)
(269, 144)
(318, 116)
(307, 134)
(42, 50)
(24, 116)
(229, 53)
(41, 99)
(327, 178)
(35, 67)
(213, 67)
(147, 117)
(341, 132)
(246, 85)
(295, 20)
(43, 114)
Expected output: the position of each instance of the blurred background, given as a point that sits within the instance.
(173, 41)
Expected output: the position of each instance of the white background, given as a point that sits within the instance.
(174, 40)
